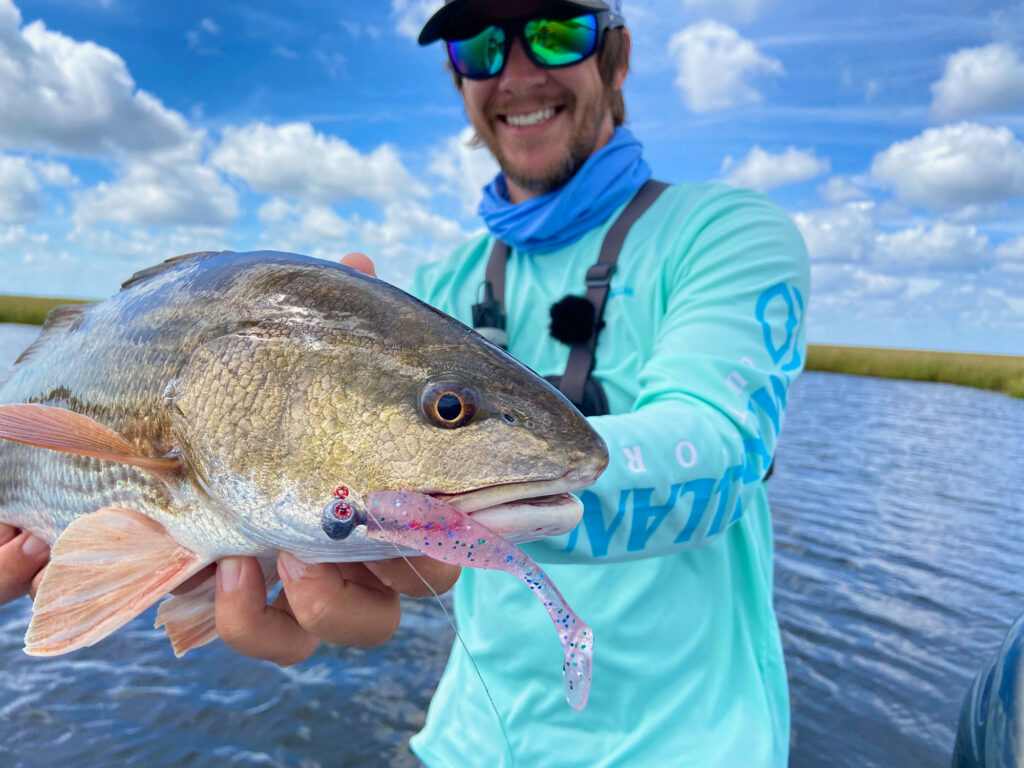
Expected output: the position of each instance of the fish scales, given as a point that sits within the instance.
(255, 388)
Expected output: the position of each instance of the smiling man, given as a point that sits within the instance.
(540, 128)
(673, 317)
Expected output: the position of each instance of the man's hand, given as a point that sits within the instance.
(342, 603)
(22, 560)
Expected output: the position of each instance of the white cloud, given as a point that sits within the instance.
(275, 210)
(205, 29)
(844, 234)
(1014, 303)
(763, 171)
(714, 65)
(464, 169)
(921, 286)
(137, 248)
(61, 94)
(851, 234)
(55, 174)
(19, 191)
(1011, 250)
(743, 10)
(305, 227)
(18, 237)
(977, 213)
(979, 81)
(407, 235)
(845, 283)
(953, 166)
(406, 222)
(10, 16)
(841, 189)
(411, 15)
(292, 160)
(21, 184)
(161, 191)
(940, 246)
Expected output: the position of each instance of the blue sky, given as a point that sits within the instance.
(893, 133)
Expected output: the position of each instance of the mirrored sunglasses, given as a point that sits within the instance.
(549, 43)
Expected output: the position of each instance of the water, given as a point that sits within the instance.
(899, 569)
(900, 561)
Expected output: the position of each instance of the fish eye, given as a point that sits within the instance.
(448, 404)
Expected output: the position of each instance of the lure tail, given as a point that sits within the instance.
(441, 532)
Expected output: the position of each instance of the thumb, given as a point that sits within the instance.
(359, 261)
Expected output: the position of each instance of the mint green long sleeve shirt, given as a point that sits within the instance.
(671, 564)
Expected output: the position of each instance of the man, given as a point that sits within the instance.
(702, 336)
(672, 564)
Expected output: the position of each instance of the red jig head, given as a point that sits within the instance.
(341, 517)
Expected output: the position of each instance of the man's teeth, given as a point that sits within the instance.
(531, 118)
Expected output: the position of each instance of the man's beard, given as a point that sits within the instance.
(581, 147)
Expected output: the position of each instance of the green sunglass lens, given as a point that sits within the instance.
(558, 43)
(482, 55)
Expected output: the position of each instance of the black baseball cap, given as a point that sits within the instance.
(458, 17)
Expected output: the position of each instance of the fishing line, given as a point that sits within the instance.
(490, 699)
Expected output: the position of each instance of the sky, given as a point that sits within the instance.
(891, 131)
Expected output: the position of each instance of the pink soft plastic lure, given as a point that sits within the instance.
(435, 529)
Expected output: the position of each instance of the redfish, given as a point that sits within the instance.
(243, 404)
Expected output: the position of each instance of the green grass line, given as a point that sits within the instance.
(29, 310)
(1000, 373)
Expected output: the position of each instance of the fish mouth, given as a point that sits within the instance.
(527, 511)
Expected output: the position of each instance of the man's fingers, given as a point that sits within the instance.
(22, 556)
(251, 627)
(359, 261)
(341, 603)
(408, 577)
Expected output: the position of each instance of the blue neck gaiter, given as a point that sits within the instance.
(607, 179)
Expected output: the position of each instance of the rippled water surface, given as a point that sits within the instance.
(900, 565)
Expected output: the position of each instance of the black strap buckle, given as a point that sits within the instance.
(599, 275)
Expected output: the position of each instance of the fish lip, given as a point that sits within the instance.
(527, 510)
(489, 496)
(533, 517)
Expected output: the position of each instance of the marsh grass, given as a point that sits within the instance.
(29, 310)
(1000, 373)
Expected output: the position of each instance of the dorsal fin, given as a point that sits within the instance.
(144, 274)
(60, 319)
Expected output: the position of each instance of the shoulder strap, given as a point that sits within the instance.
(599, 276)
(581, 356)
(495, 274)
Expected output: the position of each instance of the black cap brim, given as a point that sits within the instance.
(450, 17)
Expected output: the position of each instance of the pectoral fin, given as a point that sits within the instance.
(105, 569)
(62, 430)
(190, 620)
